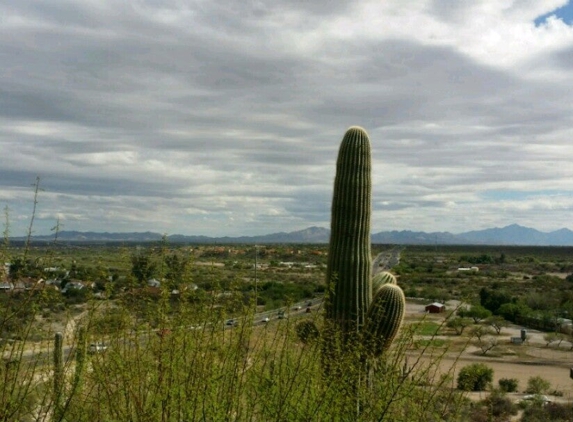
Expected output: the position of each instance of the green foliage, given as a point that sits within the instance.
(514, 311)
(177, 270)
(537, 385)
(508, 385)
(458, 324)
(426, 328)
(496, 407)
(497, 323)
(481, 259)
(475, 377)
(307, 331)
(143, 266)
(476, 312)
(58, 375)
(493, 300)
(543, 412)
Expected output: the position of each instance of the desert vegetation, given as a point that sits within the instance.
(172, 332)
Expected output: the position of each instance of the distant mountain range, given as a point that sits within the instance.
(509, 235)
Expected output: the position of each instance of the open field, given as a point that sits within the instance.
(519, 361)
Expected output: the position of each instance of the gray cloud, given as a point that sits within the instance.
(205, 118)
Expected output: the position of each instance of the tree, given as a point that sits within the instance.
(513, 311)
(176, 270)
(484, 340)
(459, 324)
(492, 299)
(497, 323)
(142, 267)
(476, 312)
(475, 377)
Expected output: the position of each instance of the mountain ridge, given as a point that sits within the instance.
(513, 234)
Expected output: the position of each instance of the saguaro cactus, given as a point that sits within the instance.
(350, 305)
(58, 374)
(80, 358)
(349, 255)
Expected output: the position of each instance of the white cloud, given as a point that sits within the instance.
(224, 118)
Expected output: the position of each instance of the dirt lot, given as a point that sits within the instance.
(509, 360)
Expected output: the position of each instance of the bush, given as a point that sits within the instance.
(500, 407)
(475, 377)
(549, 412)
(508, 385)
(537, 385)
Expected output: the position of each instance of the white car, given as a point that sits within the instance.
(265, 320)
(97, 348)
(542, 398)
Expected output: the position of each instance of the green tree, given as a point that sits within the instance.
(143, 267)
(476, 312)
(459, 324)
(176, 270)
(513, 311)
(475, 377)
(497, 323)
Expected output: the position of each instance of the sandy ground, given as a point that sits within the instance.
(512, 361)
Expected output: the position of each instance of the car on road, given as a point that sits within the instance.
(297, 308)
(281, 314)
(97, 348)
(265, 320)
(536, 397)
(231, 322)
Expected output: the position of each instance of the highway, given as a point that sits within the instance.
(384, 261)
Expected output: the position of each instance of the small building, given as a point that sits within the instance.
(435, 308)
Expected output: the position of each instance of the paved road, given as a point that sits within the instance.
(385, 260)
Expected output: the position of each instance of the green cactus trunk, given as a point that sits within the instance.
(349, 257)
(81, 350)
(58, 376)
(358, 328)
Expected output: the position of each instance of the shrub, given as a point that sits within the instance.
(508, 385)
(475, 377)
(555, 412)
(537, 385)
(499, 406)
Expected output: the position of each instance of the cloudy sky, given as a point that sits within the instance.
(224, 117)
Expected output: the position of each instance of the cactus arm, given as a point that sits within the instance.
(382, 278)
(384, 318)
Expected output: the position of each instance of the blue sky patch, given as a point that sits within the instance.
(565, 13)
